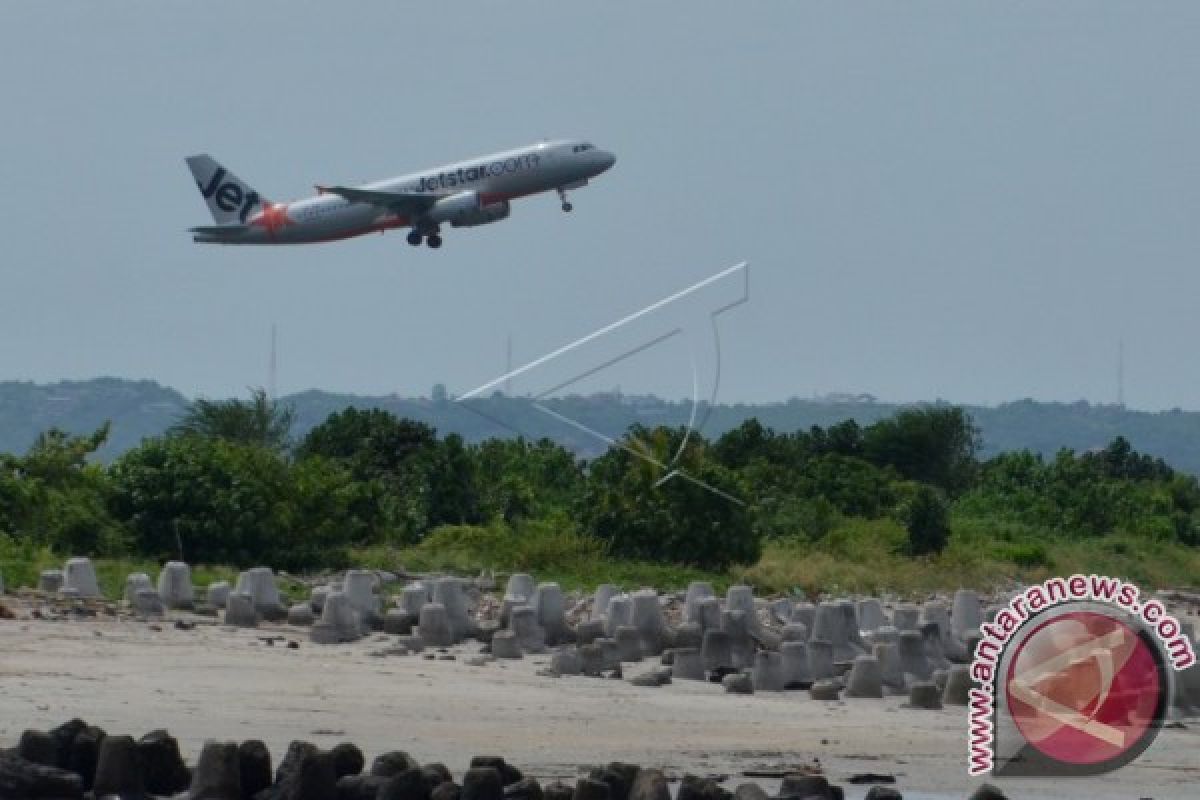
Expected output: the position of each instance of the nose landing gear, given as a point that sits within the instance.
(562, 195)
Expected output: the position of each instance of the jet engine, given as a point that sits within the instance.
(492, 212)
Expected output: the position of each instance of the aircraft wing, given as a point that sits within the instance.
(399, 202)
(219, 230)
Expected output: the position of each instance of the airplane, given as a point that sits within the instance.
(464, 194)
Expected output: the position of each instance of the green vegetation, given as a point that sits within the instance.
(903, 503)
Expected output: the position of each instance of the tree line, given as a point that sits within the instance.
(227, 484)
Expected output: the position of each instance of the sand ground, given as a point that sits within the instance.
(222, 683)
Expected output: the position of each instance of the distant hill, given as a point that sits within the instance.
(139, 409)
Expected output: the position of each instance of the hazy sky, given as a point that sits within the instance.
(973, 201)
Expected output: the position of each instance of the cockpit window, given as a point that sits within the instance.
(579, 148)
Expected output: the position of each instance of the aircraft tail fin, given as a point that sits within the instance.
(229, 198)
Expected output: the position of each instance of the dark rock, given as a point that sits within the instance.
(359, 787)
(436, 774)
(38, 747)
(524, 789)
(649, 784)
(390, 763)
(508, 773)
(883, 793)
(347, 759)
(558, 791)
(987, 792)
(163, 769)
(218, 774)
(305, 773)
(119, 769)
(738, 683)
(409, 784)
(254, 764)
(618, 776)
(447, 790)
(749, 791)
(588, 789)
(800, 785)
(85, 754)
(695, 788)
(482, 783)
(64, 737)
(21, 780)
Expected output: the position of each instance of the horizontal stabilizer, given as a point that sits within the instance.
(219, 230)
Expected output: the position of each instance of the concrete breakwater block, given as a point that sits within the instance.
(888, 656)
(696, 591)
(706, 613)
(738, 683)
(551, 608)
(134, 582)
(175, 586)
(566, 662)
(259, 583)
(966, 613)
(591, 659)
(796, 674)
(825, 690)
(217, 595)
(301, 615)
(524, 624)
(411, 599)
(924, 695)
(741, 598)
(361, 587)
(648, 619)
(906, 617)
(934, 652)
(433, 625)
(80, 574)
(451, 594)
(850, 620)
(589, 630)
(741, 645)
(958, 686)
(912, 655)
(610, 653)
(689, 634)
(520, 585)
(620, 613)
(605, 592)
(240, 610)
(794, 632)
(50, 580)
(629, 644)
(506, 645)
(870, 614)
(340, 621)
(830, 626)
(804, 614)
(147, 603)
(688, 664)
(119, 769)
(768, 672)
(716, 650)
(866, 678)
(820, 659)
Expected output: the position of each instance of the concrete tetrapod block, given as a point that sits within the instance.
(506, 645)
(412, 599)
(885, 634)
(830, 626)
(134, 582)
(825, 690)
(870, 614)
(434, 626)
(688, 665)
(620, 613)
(912, 655)
(738, 683)
(716, 650)
(605, 592)
(80, 574)
(933, 645)
(966, 614)
(794, 632)
(218, 593)
(175, 586)
(301, 615)
(737, 624)
(707, 613)
(259, 583)
(768, 672)
(906, 617)
(240, 610)
(781, 610)
(820, 659)
(689, 634)
(924, 695)
(853, 634)
(958, 685)
(629, 643)
(50, 580)
(610, 653)
(340, 621)
(888, 656)
(805, 614)
(551, 610)
(741, 598)
(520, 585)
(119, 769)
(524, 624)
(866, 678)
(218, 773)
(566, 661)
(648, 619)
(147, 603)
(360, 587)
(589, 630)
(451, 594)
(796, 673)
(591, 659)
(696, 591)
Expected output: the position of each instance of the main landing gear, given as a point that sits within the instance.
(562, 195)
(432, 239)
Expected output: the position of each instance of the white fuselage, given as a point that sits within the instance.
(494, 179)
